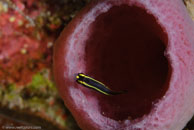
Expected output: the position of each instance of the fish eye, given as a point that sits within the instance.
(77, 77)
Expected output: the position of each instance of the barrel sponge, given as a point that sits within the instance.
(143, 46)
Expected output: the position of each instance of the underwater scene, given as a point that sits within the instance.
(29, 97)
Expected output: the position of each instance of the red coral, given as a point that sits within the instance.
(23, 48)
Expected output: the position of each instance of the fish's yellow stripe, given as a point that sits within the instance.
(90, 86)
(85, 76)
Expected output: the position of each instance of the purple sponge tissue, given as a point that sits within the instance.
(145, 47)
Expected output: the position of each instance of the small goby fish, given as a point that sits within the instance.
(89, 82)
